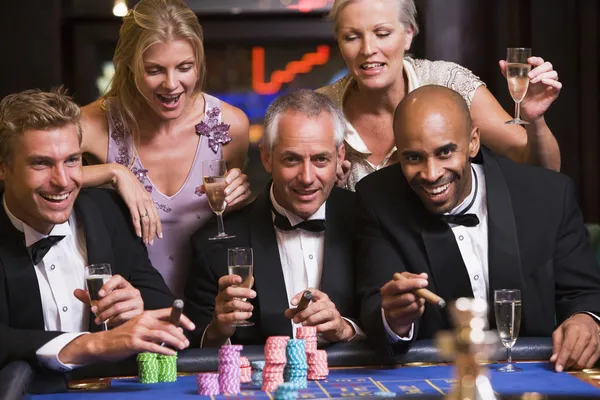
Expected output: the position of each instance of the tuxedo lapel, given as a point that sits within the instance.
(503, 244)
(450, 276)
(97, 237)
(268, 274)
(25, 303)
(449, 279)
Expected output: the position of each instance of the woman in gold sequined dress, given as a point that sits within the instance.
(373, 36)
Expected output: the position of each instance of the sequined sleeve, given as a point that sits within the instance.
(448, 74)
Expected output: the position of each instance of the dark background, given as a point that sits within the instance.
(45, 43)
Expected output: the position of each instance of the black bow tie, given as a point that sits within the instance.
(41, 247)
(461, 219)
(311, 225)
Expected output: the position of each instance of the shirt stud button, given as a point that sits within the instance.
(52, 267)
(310, 256)
(476, 277)
(461, 237)
(65, 308)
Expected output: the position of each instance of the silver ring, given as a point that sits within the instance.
(144, 214)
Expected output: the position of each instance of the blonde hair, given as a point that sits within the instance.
(148, 23)
(408, 13)
(34, 109)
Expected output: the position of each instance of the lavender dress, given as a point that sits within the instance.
(187, 210)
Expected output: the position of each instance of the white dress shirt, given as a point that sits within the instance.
(59, 273)
(301, 253)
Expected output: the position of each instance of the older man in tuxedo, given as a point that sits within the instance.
(50, 229)
(462, 221)
(300, 229)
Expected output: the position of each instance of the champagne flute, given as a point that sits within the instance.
(517, 70)
(96, 275)
(213, 175)
(240, 262)
(507, 307)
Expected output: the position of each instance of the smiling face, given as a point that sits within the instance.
(43, 177)
(303, 162)
(372, 41)
(435, 143)
(169, 78)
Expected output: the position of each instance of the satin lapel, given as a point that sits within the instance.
(25, 303)
(503, 244)
(97, 237)
(268, 274)
(449, 278)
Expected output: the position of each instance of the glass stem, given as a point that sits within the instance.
(518, 110)
(509, 353)
(220, 226)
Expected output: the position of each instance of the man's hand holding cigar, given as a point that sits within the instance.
(403, 302)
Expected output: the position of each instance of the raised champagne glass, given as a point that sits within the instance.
(96, 275)
(213, 175)
(517, 70)
(507, 307)
(240, 261)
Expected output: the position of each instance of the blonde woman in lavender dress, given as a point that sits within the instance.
(150, 133)
(373, 36)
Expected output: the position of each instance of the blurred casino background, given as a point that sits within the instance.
(258, 49)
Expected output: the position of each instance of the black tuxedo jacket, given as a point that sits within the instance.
(253, 227)
(110, 239)
(537, 243)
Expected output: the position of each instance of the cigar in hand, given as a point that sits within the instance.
(176, 311)
(424, 293)
(305, 300)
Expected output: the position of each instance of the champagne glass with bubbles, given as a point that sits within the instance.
(213, 175)
(240, 262)
(517, 70)
(507, 307)
(96, 275)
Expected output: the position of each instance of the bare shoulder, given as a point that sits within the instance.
(238, 121)
(94, 126)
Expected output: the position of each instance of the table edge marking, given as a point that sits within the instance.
(435, 387)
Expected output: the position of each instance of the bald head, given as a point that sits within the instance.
(431, 102)
(435, 141)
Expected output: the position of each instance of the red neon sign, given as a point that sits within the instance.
(279, 77)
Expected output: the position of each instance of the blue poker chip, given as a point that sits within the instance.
(384, 394)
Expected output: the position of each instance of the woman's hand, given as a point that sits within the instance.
(237, 189)
(342, 174)
(544, 88)
(144, 214)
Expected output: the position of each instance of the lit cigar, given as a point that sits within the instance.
(424, 293)
(176, 311)
(305, 300)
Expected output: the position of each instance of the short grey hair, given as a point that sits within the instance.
(408, 13)
(307, 102)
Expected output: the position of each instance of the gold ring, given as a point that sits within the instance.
(144, 214)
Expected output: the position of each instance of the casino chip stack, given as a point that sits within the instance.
(208, 384)
(296, 367)
(317, 365)
(245, 370)
(274, 362)
(309, 334)
(167, 368)
(287, 391)
(229, 369)
(147, 367)
(257, 371)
